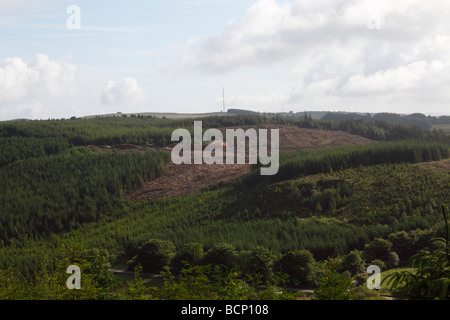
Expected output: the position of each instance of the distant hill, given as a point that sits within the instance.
(291, 114)
(169, 115)
(415, 119)
(243, 112)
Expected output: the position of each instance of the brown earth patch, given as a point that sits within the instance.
(293, 138)
(183, 179)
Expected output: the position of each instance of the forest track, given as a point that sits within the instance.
(180, 180)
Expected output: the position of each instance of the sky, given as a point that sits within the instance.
(60, 59)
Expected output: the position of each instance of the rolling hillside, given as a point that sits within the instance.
(185, 179)
(110, 181)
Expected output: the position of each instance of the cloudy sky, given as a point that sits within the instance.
(74, 58)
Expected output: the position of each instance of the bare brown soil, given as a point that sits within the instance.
(292, 138)
(185, 179)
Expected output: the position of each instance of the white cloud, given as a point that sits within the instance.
(43, 77)
(6, 5)
(255, 102)
(274, 32)
(334, 51)
(414, 76)
(35, 110)
(29, 5)
(124, 92)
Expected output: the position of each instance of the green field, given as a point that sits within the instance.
(162, 115)
(444, 127)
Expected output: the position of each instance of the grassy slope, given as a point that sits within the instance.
(445, 127)
(269, 215)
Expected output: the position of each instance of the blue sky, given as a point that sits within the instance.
(176, 56)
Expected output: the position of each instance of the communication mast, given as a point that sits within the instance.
(223, 94)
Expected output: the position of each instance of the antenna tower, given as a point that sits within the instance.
(223, 94)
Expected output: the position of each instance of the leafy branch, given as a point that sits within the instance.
(430, 274)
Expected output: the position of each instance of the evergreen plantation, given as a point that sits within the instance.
(375, 203)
